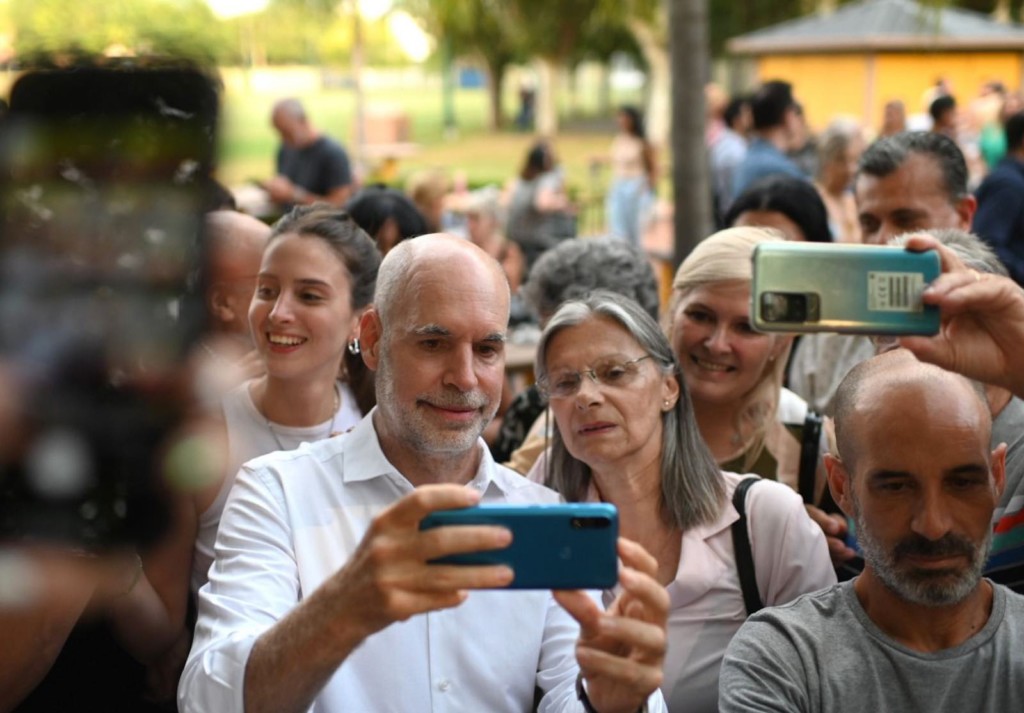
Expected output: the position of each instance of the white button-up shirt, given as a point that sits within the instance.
(293, 519)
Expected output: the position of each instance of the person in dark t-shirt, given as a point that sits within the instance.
(311, 167)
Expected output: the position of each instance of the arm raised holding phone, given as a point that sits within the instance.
(323, 588)
(982, 332)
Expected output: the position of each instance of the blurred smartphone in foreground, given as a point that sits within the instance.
(104, 176)
(565, 546)
(852, 289)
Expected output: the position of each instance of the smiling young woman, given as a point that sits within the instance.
(317, 275)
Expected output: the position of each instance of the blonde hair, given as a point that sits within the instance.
(724, 259)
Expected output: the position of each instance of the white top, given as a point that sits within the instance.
(293, 519)
(251, 435)
(790, 558)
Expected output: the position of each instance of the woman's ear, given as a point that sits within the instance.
(669, 392)
(782, 343)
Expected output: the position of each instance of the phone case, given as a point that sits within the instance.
(564, 546)
(854, 289)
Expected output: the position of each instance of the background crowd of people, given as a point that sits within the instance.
(307, 579)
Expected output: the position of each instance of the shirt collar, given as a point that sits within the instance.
(362, 446)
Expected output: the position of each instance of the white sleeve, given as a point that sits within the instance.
(253, 584)
(790, 553)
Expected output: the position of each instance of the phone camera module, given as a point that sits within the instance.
(591, 523)
(789, 307)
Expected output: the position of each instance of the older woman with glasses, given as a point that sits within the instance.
(627, 435)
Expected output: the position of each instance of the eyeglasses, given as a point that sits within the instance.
(565, 384)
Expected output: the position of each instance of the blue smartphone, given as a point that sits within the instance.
(851, 289)
(563, 546)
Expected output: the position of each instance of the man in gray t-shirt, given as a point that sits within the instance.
(919, 629)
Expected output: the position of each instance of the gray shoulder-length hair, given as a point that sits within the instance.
(692, 486)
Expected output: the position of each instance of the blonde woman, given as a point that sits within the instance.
(734, 374)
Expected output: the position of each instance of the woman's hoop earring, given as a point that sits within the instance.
(353, 347)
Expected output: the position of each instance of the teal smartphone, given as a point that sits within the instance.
(563, 546)
(851, 289)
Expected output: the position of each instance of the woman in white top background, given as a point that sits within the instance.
(633, 180)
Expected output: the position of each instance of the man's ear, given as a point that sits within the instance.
(966, 208)
(839, 483)
(220, 304)
(998, 467)
(371, 331)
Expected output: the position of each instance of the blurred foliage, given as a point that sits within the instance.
(494, 32)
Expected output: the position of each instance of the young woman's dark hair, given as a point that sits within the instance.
(359, 253)
(792, 197)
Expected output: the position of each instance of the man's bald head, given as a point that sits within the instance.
(893, 385)
(234, 249)
(408, 265)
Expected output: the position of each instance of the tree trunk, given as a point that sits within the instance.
(691, 185)
(659, 104)
(547, 95)
(495, 86)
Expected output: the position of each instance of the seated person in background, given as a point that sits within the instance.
(627, 435)
(734, 374)
(322, 593)
(573, 269)
(919, 629)
(387, 215)
(310, 167)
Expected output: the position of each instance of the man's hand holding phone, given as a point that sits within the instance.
(982, 321)
(621, 651)
(389, 578)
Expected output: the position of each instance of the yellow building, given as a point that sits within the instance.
(854, 60)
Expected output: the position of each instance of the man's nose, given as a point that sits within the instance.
(932, 519)
(460, 369)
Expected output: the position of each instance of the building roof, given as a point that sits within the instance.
(882, 25)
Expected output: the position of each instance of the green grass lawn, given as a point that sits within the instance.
(248, 142)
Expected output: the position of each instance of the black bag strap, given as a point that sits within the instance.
(809, 445)
(741, 546)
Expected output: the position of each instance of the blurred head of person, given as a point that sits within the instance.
(909, 182)
(613, 383)
(734, 374)
(387, 215)
(944, 115)
(774, 110)
(577, 267)
(539, 160)
(839, 149)
(289, 119)
(737, 115)
(427, 189)
(630, 121)
(894, 118)
(790, 205)
(234, 249)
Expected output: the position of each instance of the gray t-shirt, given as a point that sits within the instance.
(821, 652)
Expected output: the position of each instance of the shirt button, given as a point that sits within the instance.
(443, 685)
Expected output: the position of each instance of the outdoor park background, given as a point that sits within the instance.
(584, 57)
